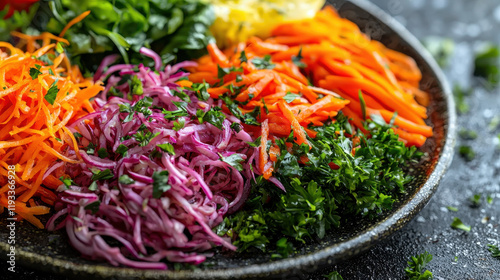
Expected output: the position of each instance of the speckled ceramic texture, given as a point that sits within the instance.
(51, 251)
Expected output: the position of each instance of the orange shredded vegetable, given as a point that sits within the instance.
(37, 101)
(340, 60)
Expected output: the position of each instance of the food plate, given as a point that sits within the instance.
(51, 251)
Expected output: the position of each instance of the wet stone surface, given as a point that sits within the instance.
(457, 254)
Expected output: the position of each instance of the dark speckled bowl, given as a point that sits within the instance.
(50, 251)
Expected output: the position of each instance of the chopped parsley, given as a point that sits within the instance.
(289, 97)
(93, 206)
(102, 175)
(178, 125)
(475, 200)
(467, 134)
(297, 59)
(52, 93)
(136, 87)
(486, 65)
(466, 152)
(460, 94)
(243, 57)
(263, 63)
(125, 179)
(167, 147)
(34, 72)
(103, 153)
(214, 116)
(451, 208)
(144, 136)
(458, 224)
(221, 72)
(67, 181)
(122, 150)
(416, 266)
(334, 275)
(160, 183)
(495, 252)
(234, 160)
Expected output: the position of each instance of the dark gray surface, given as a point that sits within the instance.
(465, 21)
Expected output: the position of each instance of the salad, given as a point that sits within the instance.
(182, 139)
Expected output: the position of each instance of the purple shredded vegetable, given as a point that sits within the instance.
(121, 221)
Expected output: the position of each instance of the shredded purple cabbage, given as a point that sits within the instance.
(118, 218)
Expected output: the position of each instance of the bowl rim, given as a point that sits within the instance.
(361, 242)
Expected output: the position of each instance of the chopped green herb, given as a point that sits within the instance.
(160, 183)
(136, 87)
(362, 103)
(167, 147)
(416, 266)
(486, 65)
(236, 127)
(221, 72)
(467, 152)
(77, 136)
(178, 125)
(67, 181)
(90, 149)
(489, 199)
(467, 134)
(125, 179)
(122, 150)
(182, 95)
(93, 186)
(52, 93)
(495, 252)
(458, 224)
(59, 47)
(234, 160)
(451, 208)
(58, 139)
(243, 57)
(102, 175)
(144, 136)
(495, 121)
(475, 200)
(297, 60)
(334, 275)
(201, 91)
(263, 63)
(213, 116)
(456, 259)
(103, 153)
(289, 97)
(93, 206)
(34, 72)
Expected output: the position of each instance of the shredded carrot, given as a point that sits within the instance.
(37, 100)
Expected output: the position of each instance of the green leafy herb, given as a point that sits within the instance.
(334, 275)
(495, 252)
(236, 127)
(458, 224)
(167, 147)
(90, 149)
(136, 87)
(416, 266)
(289, 97)
(243, 57)
(144, 136)
(249, 118)
(489, 199)
(93, 206)
(77, 135)
(180, 112)
(125, 179)
(103, 153)
(364, 184)
(201, 91)
(221, 72)
(486, 65)
(51, 94)
(34, 72)
(362, 103)
(102, 175)
(213, 116)
(234, 160)
(178, 125)
(122, 150)
(475, 200)
(93, 186)
(467, 152)
(451, 208)
(467, 134)
(297, 60)
(160, 183)
(59, 47)
(263, 63)
(67, 181)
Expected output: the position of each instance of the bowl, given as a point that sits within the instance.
(51, 251)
